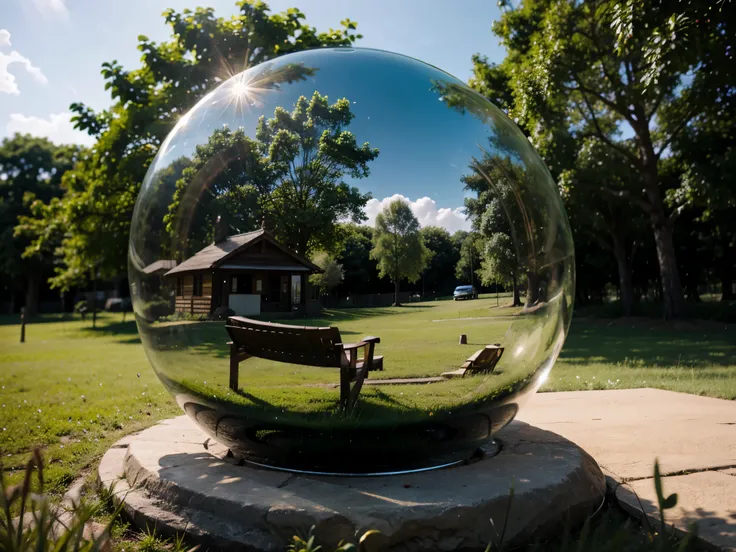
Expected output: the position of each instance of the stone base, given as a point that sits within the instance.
(172, 477)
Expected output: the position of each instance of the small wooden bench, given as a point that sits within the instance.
(311, 346)
(483, 360)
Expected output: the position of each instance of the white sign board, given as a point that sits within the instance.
(245, 304)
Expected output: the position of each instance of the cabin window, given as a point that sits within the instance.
(179, 286)
(296, 289)
(234, 285)
(197, 285)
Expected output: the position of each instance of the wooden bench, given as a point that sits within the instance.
(311, 346)
(483, 360)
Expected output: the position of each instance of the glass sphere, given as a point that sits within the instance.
(316, 256)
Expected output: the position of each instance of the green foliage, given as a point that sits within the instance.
(445, 253)
(150, 541)
(309, 544)
(290, 175)
(501, 208)
(353, 252)
(332, 272)
(203, 50)
(31, 170)
(582, 71)
(29, 520)
(499, 261)
(469, 262)
(398, 245)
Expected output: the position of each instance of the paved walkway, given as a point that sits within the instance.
(693, 437)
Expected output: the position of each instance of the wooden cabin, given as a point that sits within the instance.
(249, 273)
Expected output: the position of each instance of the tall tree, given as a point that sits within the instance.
(354, 253)
(468, 262)
(704, 160)
(439, 275)
(604, 62)
(607, 221)
(332, 272)
(398, 245)
(203, 51)
(291, 175)
(499, 266)
(31, 170)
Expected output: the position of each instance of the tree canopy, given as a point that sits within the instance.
(291, 175)
(398, 245)
(445, 254)
(203, 51)
(31, 170)
(630, 75)
(332, 272)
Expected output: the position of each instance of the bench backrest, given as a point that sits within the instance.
(307, 345)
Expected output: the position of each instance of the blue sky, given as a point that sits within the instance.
(51, 50)
(60, 45)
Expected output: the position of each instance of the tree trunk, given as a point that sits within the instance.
(532, 289)
(625, 284)
(517, 298)
(672, 295)
(396, 293)
(33, 285)
(673, 298)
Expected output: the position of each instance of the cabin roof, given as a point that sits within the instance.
(161, 264)
(215, 254)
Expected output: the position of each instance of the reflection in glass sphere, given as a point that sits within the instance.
(292, 206)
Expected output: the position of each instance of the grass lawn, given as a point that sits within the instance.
(418, 340)
(75, 390)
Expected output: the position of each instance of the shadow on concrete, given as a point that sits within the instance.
(707, 529)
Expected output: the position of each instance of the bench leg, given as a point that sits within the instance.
(359, 376)
(234, 362)
(345, 377)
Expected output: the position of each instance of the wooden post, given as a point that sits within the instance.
(23, 325)
(94, 301)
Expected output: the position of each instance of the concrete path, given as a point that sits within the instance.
(693, 437)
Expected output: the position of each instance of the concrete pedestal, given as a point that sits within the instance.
(174, 478)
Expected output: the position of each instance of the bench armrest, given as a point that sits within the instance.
(351, 346)
(362, 343)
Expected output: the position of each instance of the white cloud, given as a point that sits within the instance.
(52, 7)
(7, 79)
(58, 128)
(426, 211)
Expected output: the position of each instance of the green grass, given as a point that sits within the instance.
(417, 340)
(697, 357)
(74, 390)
